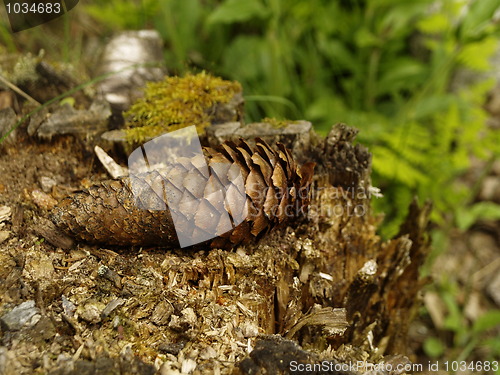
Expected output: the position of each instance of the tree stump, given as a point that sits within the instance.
(326, 282)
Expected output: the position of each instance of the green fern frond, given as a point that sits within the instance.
(434, 24)
(476, 56)
(392, 165)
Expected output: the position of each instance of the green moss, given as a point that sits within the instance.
(23, 69)
(177, 102)
(276, 123)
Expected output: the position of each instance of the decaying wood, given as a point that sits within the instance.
(320, 287)
(46, 228)
(68, 120)
(112, 167)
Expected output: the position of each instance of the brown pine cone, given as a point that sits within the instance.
(242, 194)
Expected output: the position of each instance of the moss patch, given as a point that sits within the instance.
(177, 102)
(276, 123)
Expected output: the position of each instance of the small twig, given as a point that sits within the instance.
(13, 87)
(113, 168)
(486, 270)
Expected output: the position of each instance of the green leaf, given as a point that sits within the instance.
(122, 14)
(494, 345)
(326, 105)
(454, 321)
(433, 347)
(178, 22)
(365, 38)
(245, 58)
(340, 56)
(477, 18)
(400, 74)
(434, 24)
(232, 11)
(69, 100)
(476, 55)
(465, 216)
(487, 321)
(400, 18)
(393, 165)
(431, 105)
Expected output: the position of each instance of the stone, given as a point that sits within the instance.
(25, 314)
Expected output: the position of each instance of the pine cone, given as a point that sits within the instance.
(242, 194)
